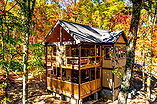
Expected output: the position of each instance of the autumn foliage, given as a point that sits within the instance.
(106, 14)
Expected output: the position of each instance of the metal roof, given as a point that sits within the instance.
(83, 33)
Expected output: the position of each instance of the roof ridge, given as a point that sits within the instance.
(84, 25)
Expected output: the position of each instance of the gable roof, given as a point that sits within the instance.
(83, 33)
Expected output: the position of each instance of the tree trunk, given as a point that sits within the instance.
(123, 94)
(3, 50)
(151, 21)
(25, 71)
(27, 7)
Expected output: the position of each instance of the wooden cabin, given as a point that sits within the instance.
(80, 59)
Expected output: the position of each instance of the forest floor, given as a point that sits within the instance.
(38, 94)
(37, 91)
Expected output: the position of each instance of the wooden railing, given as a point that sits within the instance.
(90, 87)
(73, 62)
(72, 89)
(84, 61)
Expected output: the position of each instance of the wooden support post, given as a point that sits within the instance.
(56, 72)
(72, 83)
(79, 71)
(51, 55)
(70, 51)
(113, 66)
(46, 62)
(90, 76)
(95, 62)
(61, 73)
(61, 35)
(101, 62)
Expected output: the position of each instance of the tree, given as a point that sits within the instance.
(146, 44)
(45, 16)
(94, 13)
(27, 8)
(151, 18)
(132, 38)
(9, 43)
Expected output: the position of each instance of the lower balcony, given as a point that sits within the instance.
(73, 90)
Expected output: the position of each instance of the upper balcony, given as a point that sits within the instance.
(74, 56)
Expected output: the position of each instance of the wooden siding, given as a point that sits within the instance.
(90, 87)
(108, 77)
(121, 39)
(55, 36)
(107, 64)
(121, 62)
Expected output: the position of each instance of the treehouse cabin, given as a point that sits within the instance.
(81, 60)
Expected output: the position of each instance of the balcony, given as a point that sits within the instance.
(73, 89)
(73, 62)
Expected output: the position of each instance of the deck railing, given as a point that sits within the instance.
(84, 61)
(73, 62)
(72, 89)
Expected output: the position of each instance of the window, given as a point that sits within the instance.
(54, 50)
(49, 50)
(75, 52)
(53, 72)
(75, 76)
(63, 74)
(120, 52)
(85, 52)
(98, 73)
(58, 73)
(123, 52)
(107, 52)
(92, 74)
(85, 75)
(117, 52)
(92, 52)
(98, 50)
(49, 72)
(68, 49)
